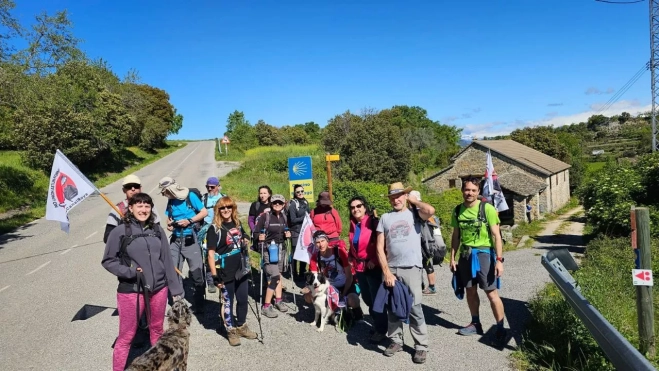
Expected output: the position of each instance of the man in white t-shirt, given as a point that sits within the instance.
(400, 256)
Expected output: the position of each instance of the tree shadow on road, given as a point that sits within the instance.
(572, 242)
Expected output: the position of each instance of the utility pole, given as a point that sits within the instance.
(654, 59)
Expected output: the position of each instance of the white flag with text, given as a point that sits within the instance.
(492, 189)
(67, 188)
(305, 246)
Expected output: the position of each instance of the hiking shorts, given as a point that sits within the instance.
(486, 279)
(273, 269)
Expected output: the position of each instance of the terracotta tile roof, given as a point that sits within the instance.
(521, 183)
(524, 155)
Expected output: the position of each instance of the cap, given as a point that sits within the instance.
(277, 197)
(213, 181)
(131, 179)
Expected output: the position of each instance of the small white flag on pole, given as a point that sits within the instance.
(68, 187)
(305, 246)
(492, 190)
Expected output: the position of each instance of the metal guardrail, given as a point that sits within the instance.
(619, 351)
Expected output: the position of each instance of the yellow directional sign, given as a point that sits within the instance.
(331, 158)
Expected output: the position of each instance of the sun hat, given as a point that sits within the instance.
(397, 188)
(324, 199)
(169, 184)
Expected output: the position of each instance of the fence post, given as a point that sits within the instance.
(644, 307)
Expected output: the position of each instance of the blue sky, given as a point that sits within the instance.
(485, 66)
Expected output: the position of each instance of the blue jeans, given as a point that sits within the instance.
(369, 283)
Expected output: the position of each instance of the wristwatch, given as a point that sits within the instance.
(190, 220)
(500, 259)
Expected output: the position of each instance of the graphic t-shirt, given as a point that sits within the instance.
(402, 239)
(332, 268)
(223, 240)
(180, 211)
(473, 232)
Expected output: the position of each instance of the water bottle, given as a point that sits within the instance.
(273, 252)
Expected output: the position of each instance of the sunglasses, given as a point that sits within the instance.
(210, 187)
(130, 186)
(356, 207)
(277, 203)
(222, 208)
(299, 192)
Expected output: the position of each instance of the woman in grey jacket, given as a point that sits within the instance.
(137, 252)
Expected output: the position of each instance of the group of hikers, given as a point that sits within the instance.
(382, 264)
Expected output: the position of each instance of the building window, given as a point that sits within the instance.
(451, 183)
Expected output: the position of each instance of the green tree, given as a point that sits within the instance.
(543, 139)
(237, 118)
(267, 135)
(313, 130)
(11, 26)
(596, 121)
(294, 135)
(177, 123)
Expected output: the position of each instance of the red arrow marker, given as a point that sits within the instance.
(645, 276)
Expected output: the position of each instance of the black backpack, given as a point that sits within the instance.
(128, 238)
(255, 233)
(196, 225)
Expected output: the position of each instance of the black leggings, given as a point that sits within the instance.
(238, 291)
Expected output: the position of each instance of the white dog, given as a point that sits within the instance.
(318, 286)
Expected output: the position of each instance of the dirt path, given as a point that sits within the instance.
(564, 232)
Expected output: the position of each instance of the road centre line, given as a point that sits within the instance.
(91, 235)
(39, 267)
(181, 163)
(4, 288)
(65, 251)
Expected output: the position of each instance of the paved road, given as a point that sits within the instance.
(46, 277)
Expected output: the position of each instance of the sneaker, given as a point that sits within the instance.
(419, 356)
(377, 338)
(245, 332)
(429, 291)
(471, 329)
(392, 349)
(234, 338)
(269, 312)
(281, 307)
(212, 289)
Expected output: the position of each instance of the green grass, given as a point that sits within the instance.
(555, 337)
(25, 190)
(235, 154)
(593, 167)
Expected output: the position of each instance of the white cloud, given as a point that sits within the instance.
(503, 128)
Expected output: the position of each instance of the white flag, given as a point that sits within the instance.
(305, 246)
(68, 188)
(492, 190)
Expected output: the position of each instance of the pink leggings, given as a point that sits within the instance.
(128, 323)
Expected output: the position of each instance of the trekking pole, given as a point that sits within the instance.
(291, 266)
(257, 311)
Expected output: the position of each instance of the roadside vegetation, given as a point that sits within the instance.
(53, 96)
(555, 338)
(25, 189)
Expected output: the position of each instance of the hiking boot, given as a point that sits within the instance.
(234, 338)
(269, 312)
(392, 349)
(281, 307)
(429, 291)
(471, 329)
(244, 331)
(419, 356)
(377, 338)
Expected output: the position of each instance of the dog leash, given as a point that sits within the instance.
(141, 284)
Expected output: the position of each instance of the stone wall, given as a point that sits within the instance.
(472, 162)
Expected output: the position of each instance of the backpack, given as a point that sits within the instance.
(197, 225)
(266, 224)
(313, 212)
(128, 238)
(481, 214)
(432, 243)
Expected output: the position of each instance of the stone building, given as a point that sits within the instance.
(525, 176)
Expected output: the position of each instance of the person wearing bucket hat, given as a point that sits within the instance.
(400, 256)
(326, 218)
(184, 210)
(130, 185)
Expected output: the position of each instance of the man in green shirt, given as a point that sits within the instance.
(477, 245)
